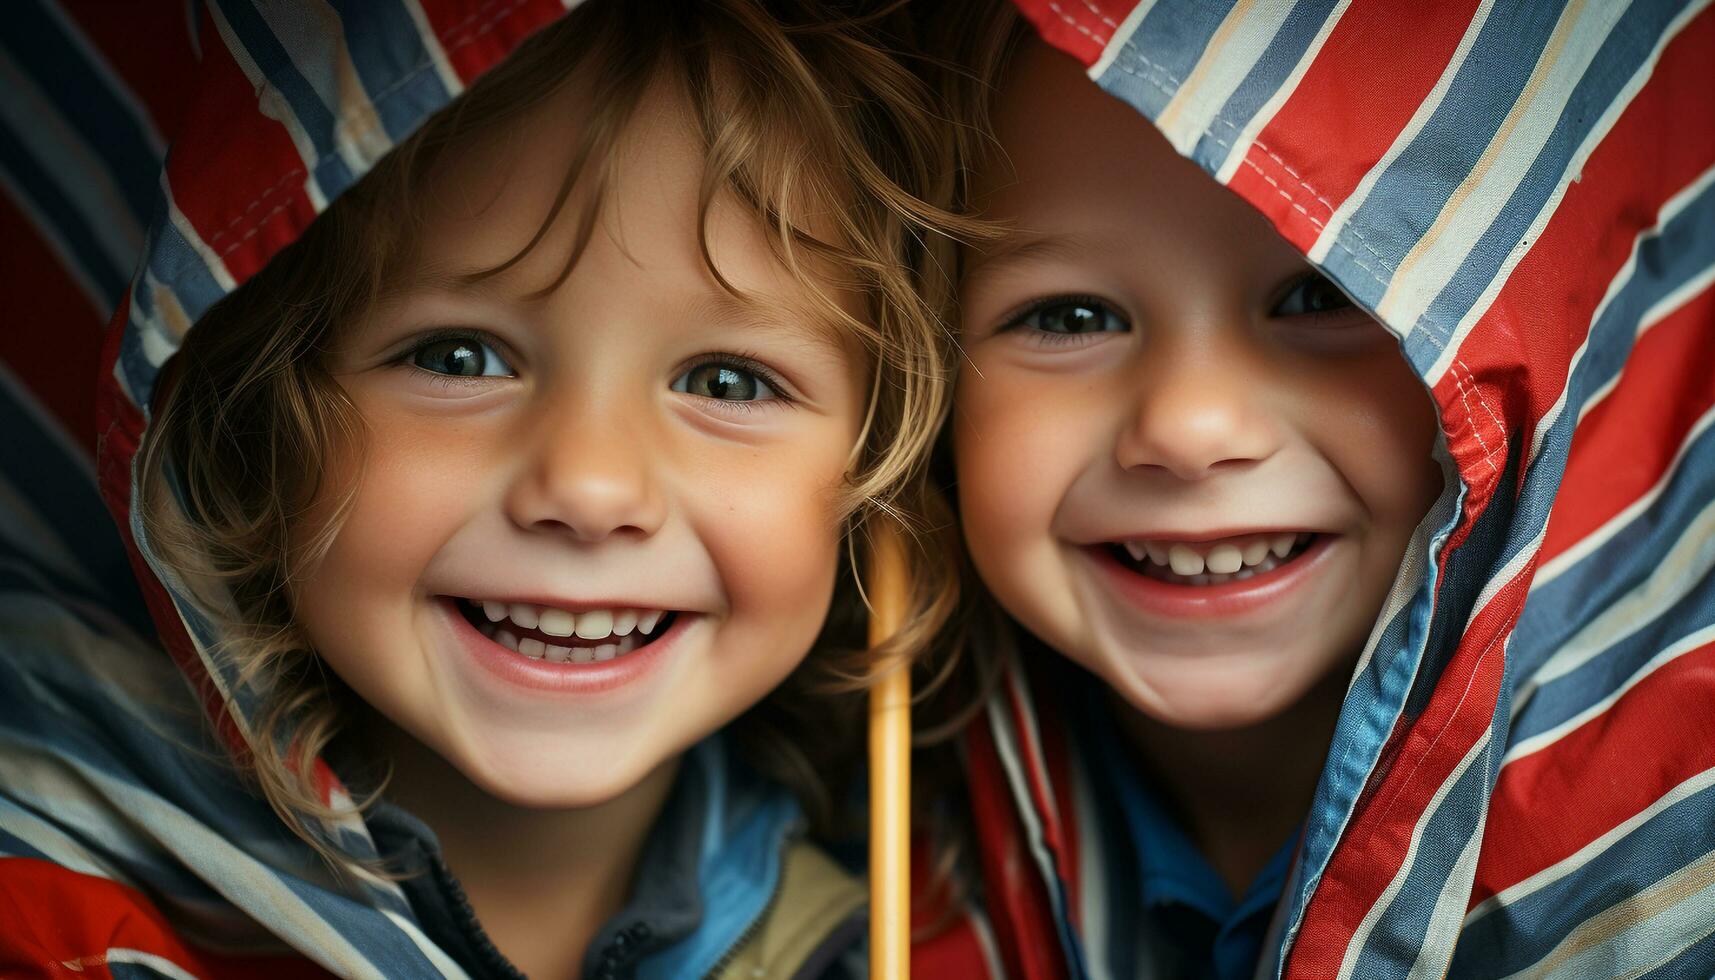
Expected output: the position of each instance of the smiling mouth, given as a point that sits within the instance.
(557, 636)
(1206, 563)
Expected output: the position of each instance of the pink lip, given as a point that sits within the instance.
(1168, 599)
(572, 679)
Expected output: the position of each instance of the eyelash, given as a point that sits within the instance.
(1014, 321)
(744, 362)
(421, 341)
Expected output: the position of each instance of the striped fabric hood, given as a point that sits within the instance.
(1522, 779)
(110, 797)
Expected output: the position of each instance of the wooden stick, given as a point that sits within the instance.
(889, 770)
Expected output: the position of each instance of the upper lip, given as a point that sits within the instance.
(1197, 537)
(569, 605)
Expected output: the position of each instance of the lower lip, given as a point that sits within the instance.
(1230, 599)
(572, 679)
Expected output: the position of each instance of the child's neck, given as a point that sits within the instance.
(542, 882)
(1239, 793)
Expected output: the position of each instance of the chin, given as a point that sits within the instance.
(558, 783)
(1205, 698)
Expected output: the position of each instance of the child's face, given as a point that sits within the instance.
(636, 449)
(1153, 370)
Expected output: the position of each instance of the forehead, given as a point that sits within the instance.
(1078, 171)
(492, 199)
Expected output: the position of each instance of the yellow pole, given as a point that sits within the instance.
(889, 770)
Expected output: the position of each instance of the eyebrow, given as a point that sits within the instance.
(1019, 249)
(803, 321)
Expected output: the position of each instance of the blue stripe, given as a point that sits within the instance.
(1162, 52)
(396, 68)
(1262, 82)
(1393, 945)
(65, 497)
(1696, 960)
(1620, 57)
(11, 846)
(316, 117)
(1414, 188)
(1511, 938)
(37, 41)
(66, 223)
(1373, 705)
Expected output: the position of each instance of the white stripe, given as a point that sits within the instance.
(1684, 567)
(984, 931)
(1473, 206)
(1007, 749)
(75, 170)
(1331, 232)
(1591, 851)
(273, 105)
(1415, 564)
(1093, 871)
(1574, 170)
(426, 34)
(161, 965)
(434, 954)
(1241, 144)
(248, 884)
(1361, 937)
(1542, 740)
(1121, 37)
(1595, 539)
(1616, 285)
(1435, 952)
(315, 39)
(216, 265)
(60, 847)
(1648, 941)
(1237, 45)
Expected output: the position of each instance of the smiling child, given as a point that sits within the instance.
(508, 500)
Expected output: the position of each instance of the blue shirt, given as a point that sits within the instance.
(1174, 883)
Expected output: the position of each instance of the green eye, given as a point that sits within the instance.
(1312, 294)
(723, 382)
(460, 357)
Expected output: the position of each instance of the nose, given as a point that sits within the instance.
(588, 474)
(1197, 411)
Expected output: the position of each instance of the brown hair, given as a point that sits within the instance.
(248, 409)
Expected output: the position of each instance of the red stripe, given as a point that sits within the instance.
(1625, 443)
(234, 172)
(1375, 842)
(52, 339)
(1358, 95)
(476, 35)
(1081, 28)
(1013, 890)
(161, 74)
(1638, 757)
(1035, 768)
(1518, 356)
(62, 923)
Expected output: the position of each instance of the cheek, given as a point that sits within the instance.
(1384, 434)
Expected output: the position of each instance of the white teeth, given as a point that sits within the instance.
(646, 622)
(558, 655)
(523, 615)
(1224, 559)
(532, 647)
(555, 622)
(624, 622)
(1256, 551)
(595, 624)
(1184, 561)
(1157, 553)
(1136, 549)
(506, 639)
(495, 611)
(1282, 544)
(606, 651)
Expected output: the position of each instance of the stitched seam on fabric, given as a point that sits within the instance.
(345, 120)
(1103, 41)
(1099, 13)
(1129, 48)
(1471, 422)
(1500, 427)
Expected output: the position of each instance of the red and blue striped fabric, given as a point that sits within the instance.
(1522, 781)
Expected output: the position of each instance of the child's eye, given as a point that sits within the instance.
(460, 357)
(1070, 316)
(1310, 295)
(724, 381)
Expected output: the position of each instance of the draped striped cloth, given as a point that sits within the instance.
(1522, 780)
